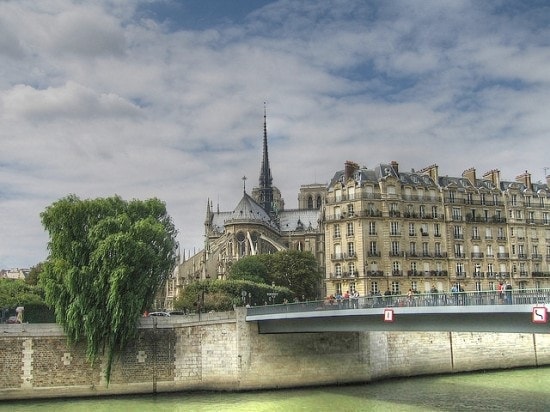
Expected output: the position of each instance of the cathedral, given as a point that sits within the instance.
(258, 224)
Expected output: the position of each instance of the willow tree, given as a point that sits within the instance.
(107, 259)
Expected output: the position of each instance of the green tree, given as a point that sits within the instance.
(295, 270)
(34, 274)
(250, 268)
(107, 259)
(18, 293)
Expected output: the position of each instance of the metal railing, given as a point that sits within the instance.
(484, 298)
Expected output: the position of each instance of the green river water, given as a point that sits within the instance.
(509, 390)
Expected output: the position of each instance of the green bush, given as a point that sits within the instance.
(221, 295)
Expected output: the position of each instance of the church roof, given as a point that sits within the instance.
(246, 211)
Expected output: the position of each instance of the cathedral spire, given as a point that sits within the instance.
(266, 189)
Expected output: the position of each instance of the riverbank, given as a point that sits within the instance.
(223, 352)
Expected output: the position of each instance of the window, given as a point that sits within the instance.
(395, 248)
(351, 192)
(391, 190)
(434, 212)
(490, 251)
(351, 268)
(350, 209)
(394, 228)
(373, 249)
(336, 231)
(488, 233)
(350, 229)
(457, 213)
(412, 248)
(437, 232)
(411, 230)
(372, 228)
(459, 250)
(514, 200)
(475, 232)
(310, 202)
(425, 249)
(395, 288)
(437, 249)
(424, 229)
(457, 230)
(396, 267)
(374, 289)
(351, 249)
(459, 268)
(338, 269)
(451, 197)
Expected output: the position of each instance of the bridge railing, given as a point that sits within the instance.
(492, 297)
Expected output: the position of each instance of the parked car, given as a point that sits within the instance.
(159, 314)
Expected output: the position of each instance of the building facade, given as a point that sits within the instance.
(386, 229)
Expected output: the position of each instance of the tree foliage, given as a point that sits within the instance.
(34, 274)
(251, 268)
(297, 271)
(221, 295)
(18, 293)
(293, 269)
(107, 259)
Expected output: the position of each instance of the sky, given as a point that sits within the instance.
(165, 99)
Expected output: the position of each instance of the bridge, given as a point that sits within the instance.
(523, 311)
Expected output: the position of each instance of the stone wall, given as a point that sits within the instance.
(223, 352)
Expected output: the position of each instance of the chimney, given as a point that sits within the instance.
(432, 171)
(493, 176)
(395, 166)
(350, 169)
(525, 178)
(470, 174)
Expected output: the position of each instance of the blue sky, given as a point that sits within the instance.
(165, 99)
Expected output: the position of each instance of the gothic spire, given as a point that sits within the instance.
(266, 189)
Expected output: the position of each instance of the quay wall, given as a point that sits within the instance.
(223, 352)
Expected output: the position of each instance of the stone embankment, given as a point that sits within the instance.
(223, 352)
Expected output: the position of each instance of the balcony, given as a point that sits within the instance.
(478, 275)
(503, 255)
(397, 273)
(536, 256)
(460, 255)
(374, 273)
(501, 238)
(476, 255)
(541, 274)
(522, 256)
(373, 254)
(371, 213)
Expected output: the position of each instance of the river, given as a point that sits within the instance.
(509, 390)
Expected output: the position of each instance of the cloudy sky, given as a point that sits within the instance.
(162, 98)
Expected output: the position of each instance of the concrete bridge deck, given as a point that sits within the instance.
(462, 312)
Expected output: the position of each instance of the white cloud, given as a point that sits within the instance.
(109, 98)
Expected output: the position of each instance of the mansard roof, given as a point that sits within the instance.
(299, 220)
